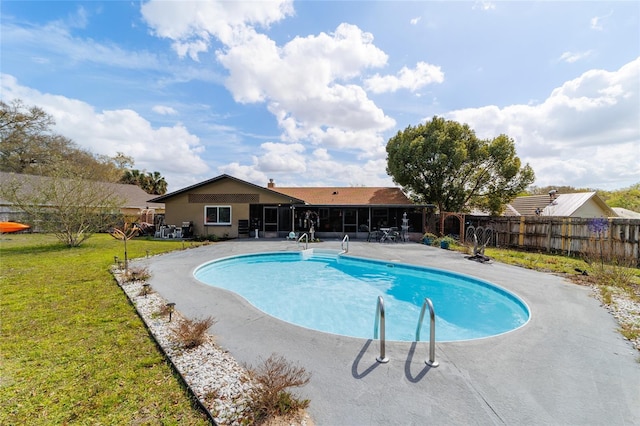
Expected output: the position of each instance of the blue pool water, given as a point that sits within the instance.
(338, 294)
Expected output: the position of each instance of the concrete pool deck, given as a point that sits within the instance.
(568, 366)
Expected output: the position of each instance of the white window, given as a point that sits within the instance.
(217, 215)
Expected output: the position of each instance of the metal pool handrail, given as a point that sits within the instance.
(306, 237)
(345, 239)
(432, 339)
(380, 321)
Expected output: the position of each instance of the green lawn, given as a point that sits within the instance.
(72, 348)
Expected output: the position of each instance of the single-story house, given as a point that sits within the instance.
(226, 206)
(134, 200)
(580, 204)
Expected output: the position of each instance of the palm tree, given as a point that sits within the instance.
(131, 177)
(156, 184)
(152, 183)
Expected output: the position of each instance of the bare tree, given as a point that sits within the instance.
(65, 205)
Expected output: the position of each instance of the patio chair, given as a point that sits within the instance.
(391, 235)
(372, 235)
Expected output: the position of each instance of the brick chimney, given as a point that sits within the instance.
(271, 184)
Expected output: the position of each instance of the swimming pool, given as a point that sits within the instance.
(324, 291)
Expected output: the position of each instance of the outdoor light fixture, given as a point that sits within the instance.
(145, 289)
(171, 306)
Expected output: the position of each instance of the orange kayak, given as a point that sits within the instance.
(8, 227)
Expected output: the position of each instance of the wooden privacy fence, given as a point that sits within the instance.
(617, 238)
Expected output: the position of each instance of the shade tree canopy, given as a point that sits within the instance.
(29, 145)
(443, 162)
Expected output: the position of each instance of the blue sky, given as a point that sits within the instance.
(308, 93)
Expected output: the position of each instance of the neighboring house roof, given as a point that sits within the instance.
(527, 206)
(510, 211)
(626, 213)
(133, 196)
(565, 205)
(348, 196)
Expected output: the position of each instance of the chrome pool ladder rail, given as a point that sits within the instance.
(345, 240)
(306, 238)
(432, 338)
(380, 322)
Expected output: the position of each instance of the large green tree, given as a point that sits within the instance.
(29, 145)
(443, 162)
(628, 198)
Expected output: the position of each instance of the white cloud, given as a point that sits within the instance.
(79, 19)
(191, 24)
(414, 21)
(164, 110)
(274, 160)
(585, 133)
(596, 21)
(170, 150)
(321, 154)
(281, 157)
(484, 5)
(410, 79)
(248, 173)
(65, 50)
(367, 173)
(572, 57)
(306, 83)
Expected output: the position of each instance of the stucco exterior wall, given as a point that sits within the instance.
(190, 206)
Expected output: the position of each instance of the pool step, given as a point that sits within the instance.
(320, 254)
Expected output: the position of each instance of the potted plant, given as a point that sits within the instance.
(445, 242)
(428, 238)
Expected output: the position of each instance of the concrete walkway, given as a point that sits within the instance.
(568, 366)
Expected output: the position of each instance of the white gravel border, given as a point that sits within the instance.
(215, 377)
(624, 309)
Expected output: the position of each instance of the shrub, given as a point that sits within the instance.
(145, 290)
(270, 397)
(429, 238)
(191, 333)
(447, 240)
(137, 274)
(615, 274)
(164, 312)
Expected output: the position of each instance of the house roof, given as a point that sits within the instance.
(626, 213)
(527, 206)
(210, 181)
(324, 196)
(562, 205)
(133, 196)
(348, 196)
